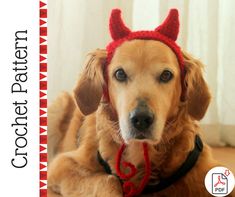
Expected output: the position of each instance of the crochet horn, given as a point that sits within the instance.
(117, 28)
(170, 27)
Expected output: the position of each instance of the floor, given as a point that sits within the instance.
(225, 155)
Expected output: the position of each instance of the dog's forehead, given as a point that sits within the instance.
(145, 51)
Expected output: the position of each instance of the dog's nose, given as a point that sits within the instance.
(141, 118)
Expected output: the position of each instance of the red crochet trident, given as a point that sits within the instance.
(129, 189)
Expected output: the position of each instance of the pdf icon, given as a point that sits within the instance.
(219, 181)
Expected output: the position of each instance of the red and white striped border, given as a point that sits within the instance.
(43, 97)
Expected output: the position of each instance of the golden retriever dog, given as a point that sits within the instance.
(144, 106)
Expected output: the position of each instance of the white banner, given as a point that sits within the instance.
(19, 100)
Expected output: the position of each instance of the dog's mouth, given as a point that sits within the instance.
(140, 136)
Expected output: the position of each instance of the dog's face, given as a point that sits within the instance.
(144, 88)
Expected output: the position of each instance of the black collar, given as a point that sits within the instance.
(164, 183)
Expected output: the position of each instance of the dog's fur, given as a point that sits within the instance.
(75, 138)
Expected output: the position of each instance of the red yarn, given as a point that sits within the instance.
(145, 35)
(170, 27)
(125, 164)
(129, 188)
(117, 28)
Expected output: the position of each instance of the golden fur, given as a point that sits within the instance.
(74, 138)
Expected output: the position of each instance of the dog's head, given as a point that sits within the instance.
(144, 87)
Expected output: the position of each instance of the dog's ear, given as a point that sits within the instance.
(89, 89)
(197, 93)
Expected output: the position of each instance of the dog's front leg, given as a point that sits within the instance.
(67, 177)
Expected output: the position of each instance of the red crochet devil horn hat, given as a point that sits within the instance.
(169, 28)
(166, 33)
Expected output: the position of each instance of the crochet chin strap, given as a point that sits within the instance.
(130, 189)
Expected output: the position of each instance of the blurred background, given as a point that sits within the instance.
(207, 31)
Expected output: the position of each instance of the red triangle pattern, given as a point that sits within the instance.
(42, 112)
(42, 148)
(42, 166)
(43, 102)
(42, 184)
(42, 58)
(42, 130)
(42, 22)
(42, 40)
(42, 94)
(42, 4)
(42, 76)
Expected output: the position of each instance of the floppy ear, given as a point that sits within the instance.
(197, 92)
(89, 89)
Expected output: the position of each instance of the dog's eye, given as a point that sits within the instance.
(166, 76)
(120, 75)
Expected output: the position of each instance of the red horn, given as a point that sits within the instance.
(116, 26)
(170, 27)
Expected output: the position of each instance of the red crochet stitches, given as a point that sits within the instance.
(117, 28)
(167, 33)
(146, 35)
(125, 164)
(170, 27)
(129, 189)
